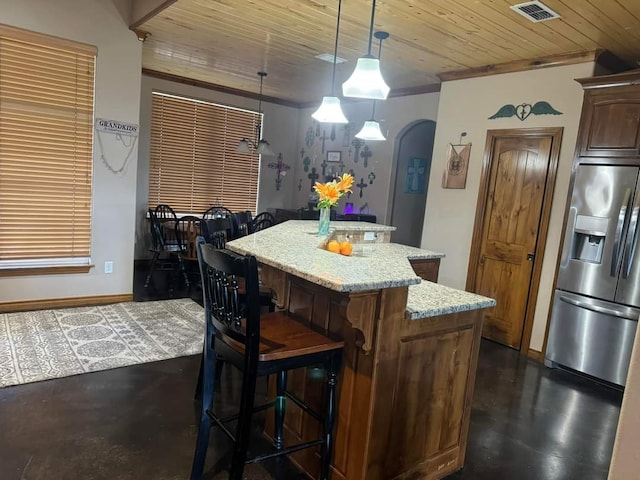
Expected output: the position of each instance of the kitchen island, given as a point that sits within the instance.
(411, 348)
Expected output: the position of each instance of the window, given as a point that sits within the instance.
(193, 161)
(46, 126)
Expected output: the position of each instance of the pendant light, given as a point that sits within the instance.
(330, 110)
(260, 146)
(366, 80)
(371, 129)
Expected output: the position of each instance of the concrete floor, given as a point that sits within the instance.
(133, 423)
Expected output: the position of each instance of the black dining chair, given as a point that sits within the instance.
(242, 222)
(165, 212)
(258, 344)
(187, 230)
(261, 221)
(212, 225)
(166, 252)
(217, 211)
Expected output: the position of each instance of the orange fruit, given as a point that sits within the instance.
(346, 248)
(333, 246)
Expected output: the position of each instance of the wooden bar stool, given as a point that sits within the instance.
(258, 345)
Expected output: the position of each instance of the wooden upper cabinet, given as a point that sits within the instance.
(610, 125)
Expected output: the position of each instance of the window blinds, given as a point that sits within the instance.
(193, 161)
(46, 125)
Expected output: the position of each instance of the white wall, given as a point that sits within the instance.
(117, 91)
(280, 129)
(393, 114)
(465, 105)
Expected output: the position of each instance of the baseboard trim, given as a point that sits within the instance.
(46, 304)
(535, 355)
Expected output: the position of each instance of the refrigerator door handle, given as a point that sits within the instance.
(617, 247)
(632, 237)
(631, 315)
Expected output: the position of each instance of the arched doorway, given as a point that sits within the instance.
(408, 193)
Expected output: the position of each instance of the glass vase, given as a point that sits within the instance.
(323, 222)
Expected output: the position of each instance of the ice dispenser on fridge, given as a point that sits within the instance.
(589, 236)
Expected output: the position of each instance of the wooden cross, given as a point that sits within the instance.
(372, 177)
(366, 154)
(324, 138)
(313, 176)
(324, 166)
(333, 132)
(306, 162)
(302, 152)
(362, 185)
(357, 145)
(346, 137)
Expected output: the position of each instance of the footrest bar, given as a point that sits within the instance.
(284, 451)
(305, 407)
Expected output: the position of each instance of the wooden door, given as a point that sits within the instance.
(516, 186)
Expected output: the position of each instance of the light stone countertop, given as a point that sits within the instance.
(293, 247)
(429, 299)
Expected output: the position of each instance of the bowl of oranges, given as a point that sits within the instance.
(343, 248)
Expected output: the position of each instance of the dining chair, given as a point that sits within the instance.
(163, 250)
(212, 225)
(216, 211)
(165, 212)
(187, 229)
(258, 344)
(261, 221)
(242, 221)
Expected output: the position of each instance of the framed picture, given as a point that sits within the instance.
(334, 156)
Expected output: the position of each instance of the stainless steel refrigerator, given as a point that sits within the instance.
(597, 298)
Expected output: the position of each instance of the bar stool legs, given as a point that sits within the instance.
(330, 413)
(281, 385)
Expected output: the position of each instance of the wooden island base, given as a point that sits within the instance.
(406, 385)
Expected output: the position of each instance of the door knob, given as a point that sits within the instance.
(531, 257)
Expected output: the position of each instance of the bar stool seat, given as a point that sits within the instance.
(258, 344)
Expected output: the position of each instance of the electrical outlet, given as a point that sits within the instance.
(108, 267)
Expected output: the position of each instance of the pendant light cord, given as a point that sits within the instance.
(381, 37)
(259, 124)
(373, 12)
(335, 50)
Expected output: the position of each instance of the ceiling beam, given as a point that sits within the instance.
(599, 56)
(144, 10)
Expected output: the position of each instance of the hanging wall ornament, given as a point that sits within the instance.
(309, 137)
(306, 162)
(523, 110)
(357, 145)
(280, 168)
(313, 177)
(299, 184)
(124, 133)
(366, 154)
(324, 138)
(372, 177)
(362, 185)
(302, 152)
(346, 134)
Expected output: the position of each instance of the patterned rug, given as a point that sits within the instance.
(48, 344)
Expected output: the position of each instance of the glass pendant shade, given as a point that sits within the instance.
(370, 131)
(264, 148)
(243, 146)
(366, 80)
(330, 111)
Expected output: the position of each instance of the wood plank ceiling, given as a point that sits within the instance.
(225, 42)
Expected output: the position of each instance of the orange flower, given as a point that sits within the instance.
(345, 183)
(329, 193)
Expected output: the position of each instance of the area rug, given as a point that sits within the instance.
(45, 344)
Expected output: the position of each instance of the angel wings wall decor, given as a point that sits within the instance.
(523, 110)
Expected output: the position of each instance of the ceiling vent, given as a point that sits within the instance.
(535, 11)
(327, 57)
